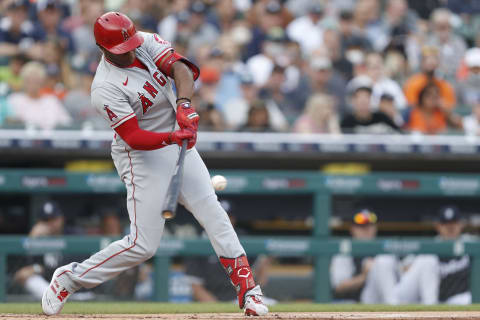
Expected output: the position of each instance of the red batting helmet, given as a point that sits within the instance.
(116, 32)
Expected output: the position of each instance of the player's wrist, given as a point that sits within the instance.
(181, 100)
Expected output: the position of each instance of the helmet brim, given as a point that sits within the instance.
(129, 45)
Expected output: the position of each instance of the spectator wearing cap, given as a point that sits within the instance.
(225, 59)
(319, 116)
(366, 13)
(49, 24)
(448, 277)
(202, 32)
(17, 32)
(274, 47)
(382, 83)
(168, 26)
(59, 73)
(451, 47)
(143, 13)
(333, 50)
(362, 119)
(235, 110)
(454, 272)
(396, 22)
(32, 276)
(211, 118)
(324, 79)
(417, 82)
(307, 29)
(468, 89)
(33, 109)
(350, 38)
(276, 98)
(387, 107)
(225, 15)
(264, 16)
(363, 279)
(81, 28)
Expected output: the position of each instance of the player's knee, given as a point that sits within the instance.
(428, 260)
(385, 261)
(146, 252)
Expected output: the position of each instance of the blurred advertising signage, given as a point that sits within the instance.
(32, 244)
(283, 183)
(297, 246)
(43, 181)
(236, 182)
(3, 179)
(454, 185)
(104, 182)
(171, 245)
(343, 183)
(397, 184)
(395, 246)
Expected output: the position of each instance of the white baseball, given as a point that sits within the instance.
(219, 183)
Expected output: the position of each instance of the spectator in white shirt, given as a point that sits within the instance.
(307, 29)
(274, 49)
(452, 47)
(31, 107)
(381, 85)
(468, 89)
(471, 123)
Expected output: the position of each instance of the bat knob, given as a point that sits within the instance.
(167, 214)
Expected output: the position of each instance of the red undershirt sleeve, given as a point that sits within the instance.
(140, 139)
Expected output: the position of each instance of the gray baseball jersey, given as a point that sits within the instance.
(143, 91)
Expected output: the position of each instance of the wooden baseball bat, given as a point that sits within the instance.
(170, 204)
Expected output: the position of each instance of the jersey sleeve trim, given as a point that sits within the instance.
(122, 120)
(161, 54)
(167, 60)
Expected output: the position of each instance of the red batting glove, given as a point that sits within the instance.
(187, 117)
(179, 135)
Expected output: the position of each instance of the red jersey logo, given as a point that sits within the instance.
(110, 113)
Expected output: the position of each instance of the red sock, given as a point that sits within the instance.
(240, 275)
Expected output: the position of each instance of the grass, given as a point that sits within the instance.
(153, 308)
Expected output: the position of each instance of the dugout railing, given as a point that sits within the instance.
(320, 245)
(320, 250)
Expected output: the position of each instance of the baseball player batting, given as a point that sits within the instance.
(133, 90)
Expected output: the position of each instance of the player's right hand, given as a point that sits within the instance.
(179, 135)
(187, 117)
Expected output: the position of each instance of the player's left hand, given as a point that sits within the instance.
(179, 135)
(187, 117)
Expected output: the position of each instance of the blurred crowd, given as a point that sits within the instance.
(305, 66)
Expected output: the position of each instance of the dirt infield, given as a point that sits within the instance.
(458, 315)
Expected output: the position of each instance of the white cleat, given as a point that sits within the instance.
(57, 293)
(254, 305)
